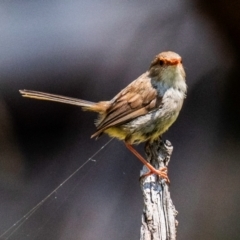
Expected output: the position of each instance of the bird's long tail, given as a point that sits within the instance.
(86, 105)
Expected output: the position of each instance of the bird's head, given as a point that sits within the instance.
(167, 67)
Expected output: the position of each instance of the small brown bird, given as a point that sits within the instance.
(143, 110)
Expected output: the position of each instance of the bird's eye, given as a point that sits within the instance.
(161, 62)
(181, 61)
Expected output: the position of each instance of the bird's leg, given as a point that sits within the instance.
(162, 172)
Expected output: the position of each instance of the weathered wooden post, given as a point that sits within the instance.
(159, 214)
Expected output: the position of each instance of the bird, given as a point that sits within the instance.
(142, 111)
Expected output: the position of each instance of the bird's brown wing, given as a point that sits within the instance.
(135, 100)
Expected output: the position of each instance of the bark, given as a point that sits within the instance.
(159, 214)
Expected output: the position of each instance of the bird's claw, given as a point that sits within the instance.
(161, 172)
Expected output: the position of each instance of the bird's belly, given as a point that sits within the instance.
(143, 128)
(152, 125)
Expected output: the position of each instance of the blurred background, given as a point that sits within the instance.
(91, 50)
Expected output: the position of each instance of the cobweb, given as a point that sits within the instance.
(23, 229)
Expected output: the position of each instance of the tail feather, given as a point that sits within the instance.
(86, 105)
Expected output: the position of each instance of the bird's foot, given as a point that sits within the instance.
(161, 172)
